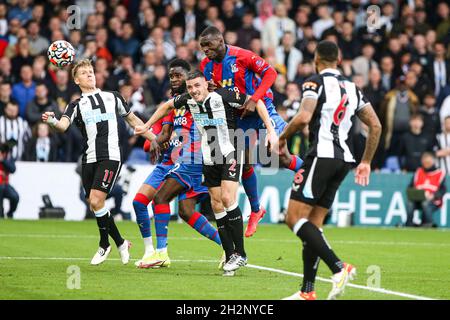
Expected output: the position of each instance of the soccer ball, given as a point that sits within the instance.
(61, 53)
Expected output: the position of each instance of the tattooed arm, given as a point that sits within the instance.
(368, 116)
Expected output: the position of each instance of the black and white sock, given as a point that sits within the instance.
(114, 232)
(310, 234)
(224, 234)
(310, 266)
(103, 226)
(237, 228)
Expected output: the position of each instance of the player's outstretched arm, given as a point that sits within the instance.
(134, 122)
(298, 123)
(60, 125)
(160, 113)
(264, 115)
(368, 116)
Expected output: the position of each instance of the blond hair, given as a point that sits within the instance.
(81, 64)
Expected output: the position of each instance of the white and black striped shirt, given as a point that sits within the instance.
(332, 124)
(96, 114)
(16, 129)
(216, 121)
(443, 142)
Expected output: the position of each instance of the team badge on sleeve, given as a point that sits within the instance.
(309, 86)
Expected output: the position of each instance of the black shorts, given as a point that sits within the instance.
(318, 180)
(230, 170)
(100, 175)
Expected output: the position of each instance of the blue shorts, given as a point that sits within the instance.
(156, 178)
(190, 176)
(256, 123)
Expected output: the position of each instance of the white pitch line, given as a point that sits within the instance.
(380, 243)
(379, 290)
(288, 273)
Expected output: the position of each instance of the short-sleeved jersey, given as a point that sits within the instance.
(332, 124)
(240, 70)
(97, 115)
(185, 142)
(216, 121)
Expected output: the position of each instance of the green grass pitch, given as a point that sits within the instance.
(35, 257)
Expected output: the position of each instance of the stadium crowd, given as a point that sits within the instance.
(401, 62)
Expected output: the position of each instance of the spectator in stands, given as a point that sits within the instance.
(127, 44)
(420, 52)
(348, 43)
(323, 22)
(256, 46)
(63, 90)
(432, 181)
(38, 43)
(189, 20)
(37, 14)
(247, 31)
(13, 31)
(442, 147)
(365, 62)
(90, 50)
(22, 11)
(387, 73)
(396, 110)
(147, 21)
(6, 74)
(76, 42)
(304, 71)
(430, 115)
(43, 146)
(5, 96)
(439, 68)
(124, 70)
(212, 15)
(157, 39)
(21, 55)
(276, 26)
(40, 104)
(374, 91)
(158, 84)
(279, 90)
(141, 99)
(228, 15)
(24, 91)
(292, 102)
(40, 73)
(7, 191)
(413, 144)
(443, 28)
(288, 55)
(14, 127)
(101, 67)
(3, 22)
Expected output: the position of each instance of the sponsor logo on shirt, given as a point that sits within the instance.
(203, 120)
(92, 117)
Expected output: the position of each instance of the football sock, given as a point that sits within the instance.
(310, 266)
(103, 226)
(114, 232)
(202, 226)
(225, 236)
(295, 164)
(310, 234)
(140, 204)
(162, 218)
(237, 228)
(250, 183)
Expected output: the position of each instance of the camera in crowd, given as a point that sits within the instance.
(8, 145)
